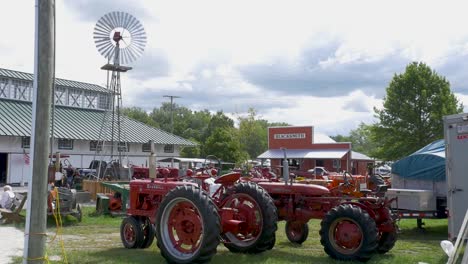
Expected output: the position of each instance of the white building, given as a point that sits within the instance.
(79, 114)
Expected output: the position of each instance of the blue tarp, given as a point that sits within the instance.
(427, 163)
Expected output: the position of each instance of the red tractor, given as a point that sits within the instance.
(189, 223)
(353, 226)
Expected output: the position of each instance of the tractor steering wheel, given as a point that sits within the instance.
(350, 181)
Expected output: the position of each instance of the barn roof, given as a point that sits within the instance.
(79, 123)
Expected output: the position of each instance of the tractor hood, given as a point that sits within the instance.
(295, 188)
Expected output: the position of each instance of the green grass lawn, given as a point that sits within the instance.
(97, 240)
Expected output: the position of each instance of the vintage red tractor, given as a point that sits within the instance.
(355, 223)
(189, 223)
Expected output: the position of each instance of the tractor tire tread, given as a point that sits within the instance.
(211, 218)
(368, 227)
(269, 215)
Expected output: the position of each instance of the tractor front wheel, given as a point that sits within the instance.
(131, 233)
(188, 226)
(296, 231)
(387, 241)
(348, 233)
(254, 206)
(148, 232)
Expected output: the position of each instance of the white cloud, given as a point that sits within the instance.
(463, 98)
(322, 63)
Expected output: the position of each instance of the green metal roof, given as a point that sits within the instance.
(78, 123)
(59, 82)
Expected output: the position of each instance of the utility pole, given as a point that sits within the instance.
(44, 67)
(172, 122)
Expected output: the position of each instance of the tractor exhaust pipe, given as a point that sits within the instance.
(285, 167)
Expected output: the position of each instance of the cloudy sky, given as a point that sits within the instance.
(320, 63)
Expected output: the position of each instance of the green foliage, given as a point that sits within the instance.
(412, 112)
(246, 142)
(191, 152)
(224, 144)
(361, 138)
(342, 138)
(253, 134)
(140, 115)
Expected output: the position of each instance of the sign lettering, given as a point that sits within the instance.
(290, 136)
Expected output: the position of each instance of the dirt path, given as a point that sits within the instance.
(11, 242)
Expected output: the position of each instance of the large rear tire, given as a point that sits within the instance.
(349, 233)
(188, 226)
(296, 231)
(254, 206)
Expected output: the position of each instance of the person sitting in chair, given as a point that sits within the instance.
(7, 197)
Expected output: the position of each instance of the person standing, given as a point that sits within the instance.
(7, 197)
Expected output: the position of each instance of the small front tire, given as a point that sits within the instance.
(131, 233)
(296, 231)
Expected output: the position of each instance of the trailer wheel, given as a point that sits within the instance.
(296, 231)
(255, 207)
(188, 226)
(131, 233)
(148, 232)
(387, 241)
(348, 233)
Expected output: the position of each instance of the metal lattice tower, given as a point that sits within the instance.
(121, 39)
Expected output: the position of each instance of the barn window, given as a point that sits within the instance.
(64, 143)
(169, 149)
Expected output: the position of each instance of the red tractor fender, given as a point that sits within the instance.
(363, 207)
(228, 179)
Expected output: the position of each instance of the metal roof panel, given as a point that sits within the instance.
(62, 82)
(76, 123)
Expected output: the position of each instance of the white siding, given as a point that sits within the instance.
(80, 156)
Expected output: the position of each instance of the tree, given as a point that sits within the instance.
(361, 138)
(253, 134)
(412, 112)
(139, 114)
(191, 152)
(224, 144)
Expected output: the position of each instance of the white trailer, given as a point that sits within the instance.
(456, 138)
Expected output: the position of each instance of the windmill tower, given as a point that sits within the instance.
(121, 39)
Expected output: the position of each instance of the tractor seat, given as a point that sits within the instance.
(365, 191)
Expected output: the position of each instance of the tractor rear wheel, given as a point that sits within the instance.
(254, 206)
(188, 226)
(148, 232)
(131, 233)
(387, 241)
(296, 231)
(348, 233)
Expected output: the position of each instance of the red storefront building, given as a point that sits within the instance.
(306, 150)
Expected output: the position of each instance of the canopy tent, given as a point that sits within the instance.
(427, 163)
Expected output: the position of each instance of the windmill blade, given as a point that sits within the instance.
(132, 46)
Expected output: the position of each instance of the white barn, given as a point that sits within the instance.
(79, 114)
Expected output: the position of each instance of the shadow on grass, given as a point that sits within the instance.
(284, 256)
(438, 232)
(123, 255)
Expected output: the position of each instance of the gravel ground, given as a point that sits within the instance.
(11, 242)
(12, 239)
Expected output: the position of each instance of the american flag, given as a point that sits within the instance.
(25, 157)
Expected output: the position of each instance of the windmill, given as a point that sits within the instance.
(121, 39)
